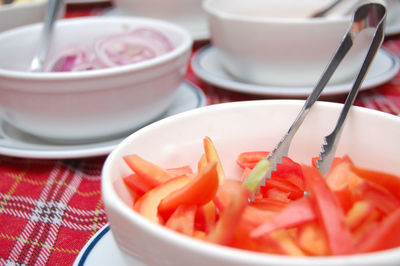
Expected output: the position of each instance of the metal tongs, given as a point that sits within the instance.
(372, 15)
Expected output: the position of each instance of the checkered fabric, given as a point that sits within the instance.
(49, 209)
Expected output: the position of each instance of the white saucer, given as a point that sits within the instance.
(101, 250)
(198, 29)
(13, 142)
(205, 65)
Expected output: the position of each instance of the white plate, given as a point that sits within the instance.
(13, 142)
(205, 65)
(198, 29)
(101, 250)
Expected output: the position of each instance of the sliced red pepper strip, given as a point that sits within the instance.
(283, 185)
(147, 205)
(150, 173)
(236, 199)
(269, 204)
(288, 170)
(329, 212)
(136, 184)
(250, 159)
(212, 156)
(311, 238)
(384, 235)
(295, 213)
(198, 191)
(206, 217)
(385, 180)
(341, 176)
(382, 199)
(182, 219)
(179, 171)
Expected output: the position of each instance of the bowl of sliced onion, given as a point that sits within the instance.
(103, 76)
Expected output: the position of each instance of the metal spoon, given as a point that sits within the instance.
(52, 11)
(325, 10)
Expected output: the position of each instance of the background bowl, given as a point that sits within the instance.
(369, 137)
(74, 106)
(23, 13)
(273, 42)
(187, 13)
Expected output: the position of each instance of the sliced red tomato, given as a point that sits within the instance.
(329, 212)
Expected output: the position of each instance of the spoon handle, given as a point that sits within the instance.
(53, 8)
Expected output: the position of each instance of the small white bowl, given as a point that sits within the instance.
(369, 137)
(82, 106)
(19, 14)
(187, 13)
(273, 42)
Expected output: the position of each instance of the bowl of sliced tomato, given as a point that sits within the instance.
(180, 191)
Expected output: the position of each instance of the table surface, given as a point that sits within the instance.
(50, 208)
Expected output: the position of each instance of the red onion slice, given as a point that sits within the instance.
(126, 48)
(137, 46)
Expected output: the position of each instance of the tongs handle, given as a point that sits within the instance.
(331, 140)
(372, 15)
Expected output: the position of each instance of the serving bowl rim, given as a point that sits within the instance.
(231, 16)
(113, 201)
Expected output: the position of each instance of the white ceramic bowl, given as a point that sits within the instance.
(370, 138)
(187, 13)
(19, 14)
(75, 106)
(273, 42)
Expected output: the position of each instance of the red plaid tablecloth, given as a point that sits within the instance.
(50, 208)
